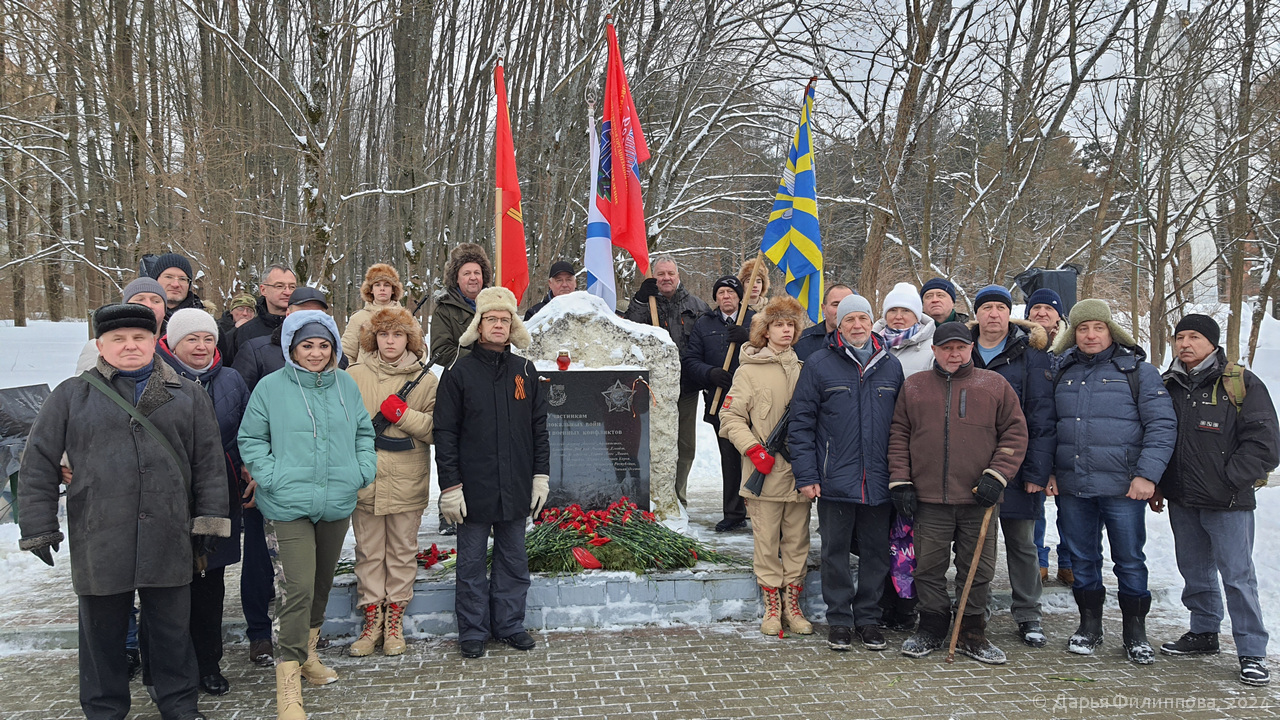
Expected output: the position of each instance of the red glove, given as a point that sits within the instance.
(760, 458)
(393, 408)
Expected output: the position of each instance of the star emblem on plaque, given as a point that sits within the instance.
(618, 397)
(556, 396)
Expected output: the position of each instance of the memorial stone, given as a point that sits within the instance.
(598, 422)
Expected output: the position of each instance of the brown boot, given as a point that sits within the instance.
(371, 635)
(1044, 576)
(772, 623)
(289, 692)
(313, 670)
(1066, 577)
(393, 643)
(792, 615)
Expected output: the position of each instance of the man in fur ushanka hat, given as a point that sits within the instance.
(493, 458)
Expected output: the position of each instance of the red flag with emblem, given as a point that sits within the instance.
(513, 261)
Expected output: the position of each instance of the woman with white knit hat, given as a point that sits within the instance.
(906, 329)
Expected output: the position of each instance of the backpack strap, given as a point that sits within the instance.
(1232, 380)
(95, 382)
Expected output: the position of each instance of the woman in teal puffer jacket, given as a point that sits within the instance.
(307, 440)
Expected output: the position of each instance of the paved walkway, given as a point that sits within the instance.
(715, 671)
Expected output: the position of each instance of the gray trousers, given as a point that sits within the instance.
(166, 643)
(1209, 543)
(1024, 568)
(938, 528)
(494, 605)
(851, 604)
(686, 443)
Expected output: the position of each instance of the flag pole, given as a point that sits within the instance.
(714, 410)
(497, 216)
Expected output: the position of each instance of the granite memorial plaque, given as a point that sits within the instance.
(599, 428)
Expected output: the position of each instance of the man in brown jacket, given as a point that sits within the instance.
(973, 416)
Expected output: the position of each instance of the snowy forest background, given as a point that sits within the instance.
(970, 138)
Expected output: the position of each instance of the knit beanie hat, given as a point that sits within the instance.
(1202, 324)
(310, 330)
(1083, 312)
(189, 320)
(123, 315)
(142, 285)
(939, 283)
(244, 300)
(729, 281)
(903, 295)
(993, 293)
(853, 303)
(1044, 296)
(172, 260)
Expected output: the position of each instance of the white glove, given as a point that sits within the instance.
(541, 488)
(453, 506)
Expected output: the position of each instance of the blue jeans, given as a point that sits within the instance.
(1081, 521)
(1064, 557)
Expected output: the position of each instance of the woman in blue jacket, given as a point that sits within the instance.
(1116, 432)
(308, 443)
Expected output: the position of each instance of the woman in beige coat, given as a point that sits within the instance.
(381, 289)
(761, 391)
(389, 511)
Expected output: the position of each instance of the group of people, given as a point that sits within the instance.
(182, 433)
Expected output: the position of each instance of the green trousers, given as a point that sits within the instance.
(304, 555)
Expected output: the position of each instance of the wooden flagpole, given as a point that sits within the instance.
(714, 410)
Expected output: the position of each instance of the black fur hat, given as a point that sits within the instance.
(123, 315)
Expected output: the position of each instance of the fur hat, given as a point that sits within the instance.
(744, 274)
(783, 307)
(463, 254)
(189, 320)
(389, 319)
(903, 295)
(496, 298)
(1084, 311)
(121, 316)
(381, 272)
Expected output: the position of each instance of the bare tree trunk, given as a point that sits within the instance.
(1242, 222)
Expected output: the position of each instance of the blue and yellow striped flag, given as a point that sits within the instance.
(791, 239)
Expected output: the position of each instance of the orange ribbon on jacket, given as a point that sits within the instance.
(520, 395)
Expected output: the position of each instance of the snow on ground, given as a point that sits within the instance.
(46, 353)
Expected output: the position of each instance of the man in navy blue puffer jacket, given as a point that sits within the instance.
(839, 443)
(1116, 433)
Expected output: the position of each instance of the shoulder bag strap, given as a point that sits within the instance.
(146, 424)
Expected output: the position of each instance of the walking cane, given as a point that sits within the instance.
(968, 583)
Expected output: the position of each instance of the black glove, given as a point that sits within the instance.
(721, 378)
(648, 289)
(45, 553)
(904, 499)
(204, 545)
(987, 491)
(739, 335)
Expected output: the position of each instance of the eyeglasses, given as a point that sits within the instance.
(282, 287)
(181, 280)
(491, 320)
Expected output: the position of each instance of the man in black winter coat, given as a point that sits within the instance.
(1016, 349)
(702, 365)
(275, 289)
(678, 310)
(493, 456)
(560, 281)
(174, 274)
(1227, 443)
(139, 508)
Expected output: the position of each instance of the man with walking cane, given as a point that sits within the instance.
(958, 437)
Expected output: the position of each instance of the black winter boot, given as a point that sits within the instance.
(929, 636)
(1193, 643)
(1088, 637)
(1133, 612)
(974, 643)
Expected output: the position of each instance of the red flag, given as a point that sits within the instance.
(627, 149)
(513, 261)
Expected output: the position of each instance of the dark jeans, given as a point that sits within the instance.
(1082, 520)
(165, 640)
(838, 524)
(938, 527)
(1064, 557)
(486, 605)
(731, 475)
(257, 578)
